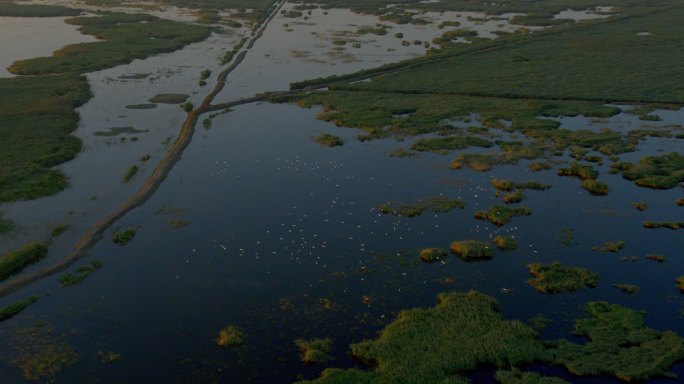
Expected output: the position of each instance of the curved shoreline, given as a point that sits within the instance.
(91, 236)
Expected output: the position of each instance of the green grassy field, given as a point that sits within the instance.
(607, 61)
(10, 8)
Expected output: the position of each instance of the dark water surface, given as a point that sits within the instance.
(284, 241)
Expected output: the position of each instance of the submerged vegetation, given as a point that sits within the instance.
(41, 353)
(655, 257)
(16, 260)
(627, 288)
(230, 336)
(328, 140)
(6, 225)
(556, 277)
(81, 273)
(610, 246)
(641, 206)
(437, 204)
(674, 225)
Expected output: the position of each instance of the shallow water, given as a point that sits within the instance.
(28, 37)
(153, 8)
(296, 49)
(587, 14)
(96, 175)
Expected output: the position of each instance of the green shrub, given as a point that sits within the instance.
(429, 255)
(329, 140)
(471, 250)
(15, 261)
(610, 246)
(619, 345)
(500, 215)
(505, 243)
(132, 171)
(595, 187)
(122, 238)
(14, 308)
(230, 336)
(438, 204)
(314, 351)
(555, 277)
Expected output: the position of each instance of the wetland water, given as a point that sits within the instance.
(28, 37)
(282, 237)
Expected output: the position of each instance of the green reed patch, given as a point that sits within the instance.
(230, 336)
(472, 250)
(313, 351)
(441, 344)
(500, 215)
(13, 309)
(555, 278)
(437, 204)
(71, 279)
(16, 260)
(619, 344)
(328, 140)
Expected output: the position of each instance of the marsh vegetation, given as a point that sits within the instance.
(437, 204)
(123, 237)
(555, 278)
(38, 112)
(509, 121)
(16, 260)
(329, 140)
(472, 250)
(430, 255)
(500, 215)
(71, 279)
(11, 310)
(313, 351)
(230, 336)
